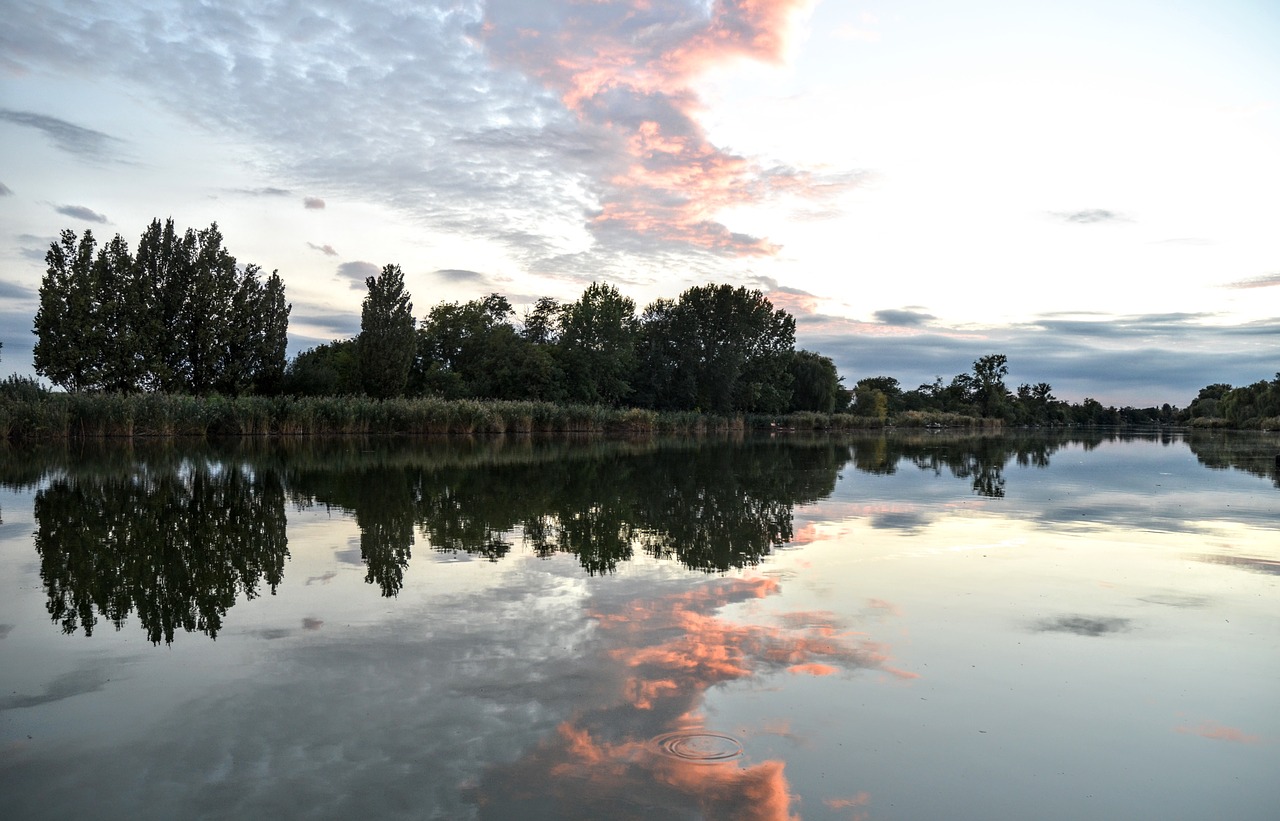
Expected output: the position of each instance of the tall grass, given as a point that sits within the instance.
(45, 415)
(103, 415)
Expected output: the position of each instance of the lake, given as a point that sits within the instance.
(909, 626)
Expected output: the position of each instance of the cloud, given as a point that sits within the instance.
(1137, 360)
(1089, 216)
(627, 71)
(566, 131)
(335, 325)
(14, 291)
(1267, 281)
(34, 247)
(81, 213)
(904, 317)
(313, 204)
(74, 139)
(327, 250)
(461, 275)
(5, 191)
(264, 192)
(357, 272)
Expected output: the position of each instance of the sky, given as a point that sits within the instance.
(1088, 188)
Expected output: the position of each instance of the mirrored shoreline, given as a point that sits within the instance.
(881, 627)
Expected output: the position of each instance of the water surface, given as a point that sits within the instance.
(902, 627)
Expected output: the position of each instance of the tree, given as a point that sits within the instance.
(815, 384)
(331, 369)
(717, 348)
(542, 323)
(65, 351)
(181, 316)
(386, 341)
(988, 390)
(596, 345)
(878, 396)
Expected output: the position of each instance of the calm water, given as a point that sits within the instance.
(917, 627)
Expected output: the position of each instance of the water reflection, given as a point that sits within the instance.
(712, 506)
(177, 532)
(177, 545)
(920, 639)
(643, 748)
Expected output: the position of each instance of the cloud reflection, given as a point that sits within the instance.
(607, 759)
(1257, 565)
(1214, 731)
(1083, 625)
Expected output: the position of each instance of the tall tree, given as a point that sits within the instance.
(815, 384)
(988, 389)
(730, 350)
(597, 343)
(542, 322)
(181, 316)
(386, 341)
(65, 351)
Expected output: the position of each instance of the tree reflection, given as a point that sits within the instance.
(981, 459)
(1254, 453)
(176, 534)
(176, 545)
(711, 505)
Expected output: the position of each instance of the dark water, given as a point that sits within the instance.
(906, 627)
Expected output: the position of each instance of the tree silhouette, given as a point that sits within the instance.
(386, 342)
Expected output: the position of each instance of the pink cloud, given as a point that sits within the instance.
(626, 70)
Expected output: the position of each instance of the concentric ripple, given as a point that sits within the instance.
(701, 747)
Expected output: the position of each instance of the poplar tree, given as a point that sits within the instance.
(64, 326)
(181, 316)
(386, 341)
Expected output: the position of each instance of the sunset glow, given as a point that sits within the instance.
(1086, 188)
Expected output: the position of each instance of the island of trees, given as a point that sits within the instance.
(178, 337)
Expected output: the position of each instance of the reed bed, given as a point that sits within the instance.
(47, 415)
(102, 416)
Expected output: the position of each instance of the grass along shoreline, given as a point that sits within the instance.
(100, 415)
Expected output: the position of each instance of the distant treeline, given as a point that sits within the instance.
(1255, 406)
(181, 317)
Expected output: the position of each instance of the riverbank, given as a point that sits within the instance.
(96, 415)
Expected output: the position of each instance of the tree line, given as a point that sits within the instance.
(982, 392)
(179, 315)
(1248, 406)
(716, 349)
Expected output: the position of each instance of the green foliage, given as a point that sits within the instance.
(175, 545)
(719, 349)
(988, 392)
(331, 369)
(386, 341)
(471, 350)
(1254, 406)
(17, 388)
(180, 316)
(596, 345)
(815, 384)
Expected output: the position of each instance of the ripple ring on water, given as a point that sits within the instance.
(700, 747)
